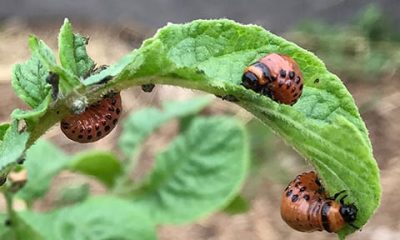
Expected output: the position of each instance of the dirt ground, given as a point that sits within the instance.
(379, 104)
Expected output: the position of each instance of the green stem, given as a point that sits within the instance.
(10, 211)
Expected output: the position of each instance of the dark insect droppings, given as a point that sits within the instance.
(316, 80)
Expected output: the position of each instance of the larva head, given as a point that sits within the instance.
(348, 212)
(95, 122)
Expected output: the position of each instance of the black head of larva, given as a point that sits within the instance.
(348, 212)
(250, 81)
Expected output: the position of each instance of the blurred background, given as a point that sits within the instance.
(358, 40)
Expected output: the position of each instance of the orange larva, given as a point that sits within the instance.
(277, 76)
(306, 207)
(95, 122)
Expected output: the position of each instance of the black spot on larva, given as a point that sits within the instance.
(97, 126)
(280, 82)
(118, 111)
(98, 133)
(286, 189)
(293, 89)
(73, 131)
(114, 101)
(302, 189)
(115, 121)
(295, 198)
(104, 122)
(316, 80)
(306, 197)
(81, 131)
(297, 184)
(289, 193)
(301, 87)
(298, 178)
(273, 78)
(288, 84)
(282, 73)
(108, 116)
(89, 129)
(80, 136)
(297, 80)
(65, 125)
(295, 95)
(111, 109)
(291, 74)
(89, 137)
(107, 128)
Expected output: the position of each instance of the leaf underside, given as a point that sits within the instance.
(324, 125)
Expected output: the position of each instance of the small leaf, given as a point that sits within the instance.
(43, 162)
(3, 130)
(102, 218)
(68, 80)
(12, 147)
(29, 81)
(72, 51)
(139, 125)
(201, 171)
(238, 205)
(104, 166)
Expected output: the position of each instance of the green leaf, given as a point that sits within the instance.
(68, 80)
(29, 81)
(104, 166)
(238, 205)
(73, 194)
(32, 116)
(112, 70)
(3, 130)
(12, 147)
(140, 124)
(200, 172)
(102, 218)
(324, 125)
(43, 162)
(72, 51)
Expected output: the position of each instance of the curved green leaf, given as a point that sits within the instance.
(72, 51)
(101, 218)
(3, 130)
(200, 172)
(104, 166)
(324, 126)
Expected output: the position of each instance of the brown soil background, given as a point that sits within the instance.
(379, 103)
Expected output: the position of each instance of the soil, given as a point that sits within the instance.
(379, 104)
